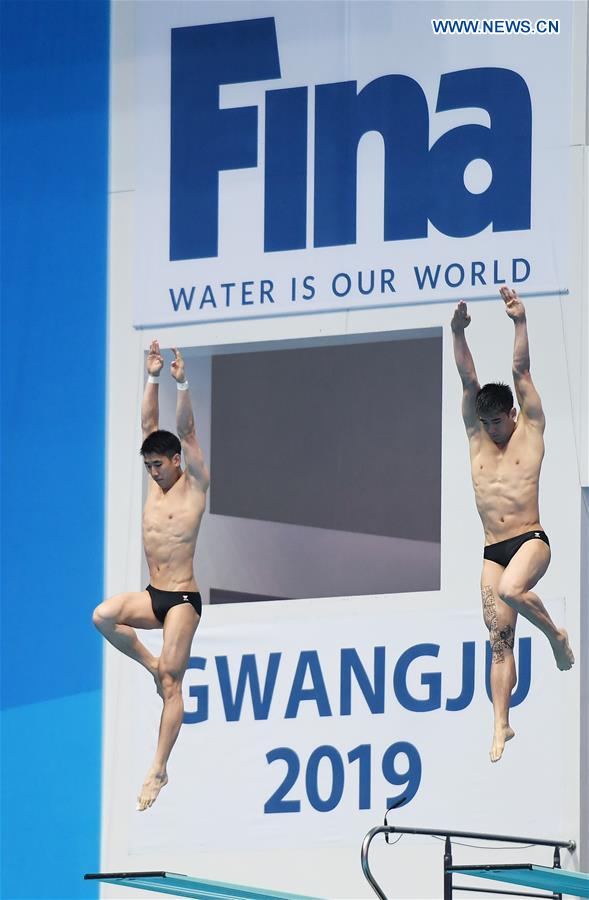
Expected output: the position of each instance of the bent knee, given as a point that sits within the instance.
(100, 616)
(108, 612)
(510, 595)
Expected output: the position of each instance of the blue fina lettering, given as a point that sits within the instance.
(422, 185)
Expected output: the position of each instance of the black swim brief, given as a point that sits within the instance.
(504, 551)
(163, 601)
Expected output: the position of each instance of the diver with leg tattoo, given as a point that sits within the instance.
(506, 452)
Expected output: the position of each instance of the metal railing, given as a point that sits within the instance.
(449, 887)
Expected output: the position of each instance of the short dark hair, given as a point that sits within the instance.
(494, 397)
(164, 443)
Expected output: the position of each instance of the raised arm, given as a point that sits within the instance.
(149, 405)
(193, 455)
(525, 390)
(466, 368)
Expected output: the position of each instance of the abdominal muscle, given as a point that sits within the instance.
(170, 530)
(505, 483)
(173, 572)
(499, 523)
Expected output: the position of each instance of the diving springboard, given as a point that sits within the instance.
(558, 881)
(189, 886)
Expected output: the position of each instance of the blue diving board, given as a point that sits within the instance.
(188, 886)
(558, 881)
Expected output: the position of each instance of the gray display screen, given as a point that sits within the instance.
(346, 437)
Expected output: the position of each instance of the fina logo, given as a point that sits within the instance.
(421, 184)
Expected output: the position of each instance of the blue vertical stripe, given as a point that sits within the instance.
(55, 62)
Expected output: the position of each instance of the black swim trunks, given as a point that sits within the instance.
(163, 601)
(504, 551)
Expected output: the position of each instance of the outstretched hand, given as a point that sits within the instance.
(513, 305)
(155, 360)
(460, 319)
(177, 367)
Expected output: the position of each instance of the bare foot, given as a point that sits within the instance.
(152, 785)
(502, 734)
(562, 651)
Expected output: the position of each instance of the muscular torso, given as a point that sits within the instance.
(505, 481)
(170, 527)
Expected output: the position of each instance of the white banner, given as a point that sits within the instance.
(300, 157)
(306, 719)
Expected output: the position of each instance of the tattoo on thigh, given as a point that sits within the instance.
(501, 639)
(489, 607)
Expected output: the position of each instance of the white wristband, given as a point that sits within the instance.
(153, 379)
(181, 385)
